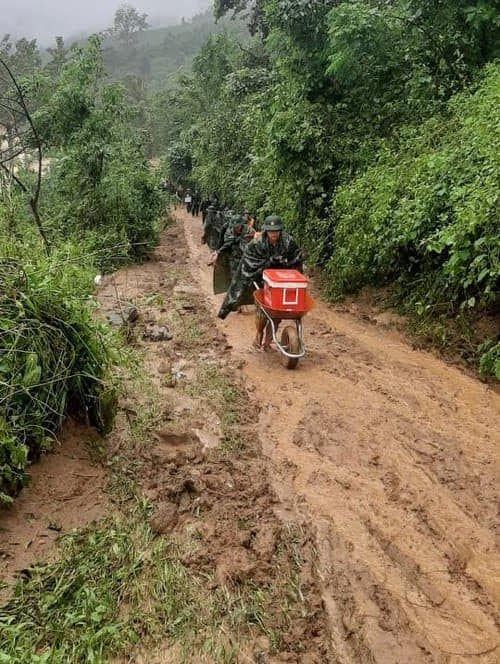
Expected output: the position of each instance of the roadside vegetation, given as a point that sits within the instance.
(77, 197)
(373, 128)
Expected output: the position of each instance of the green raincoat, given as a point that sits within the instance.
(258, 256)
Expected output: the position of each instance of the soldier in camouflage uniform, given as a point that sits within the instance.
(275, 248)
(210, 230)
(224, 222)
(204, 207)
(236, 237)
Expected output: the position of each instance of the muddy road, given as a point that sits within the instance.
(367, 479)
(393, 456)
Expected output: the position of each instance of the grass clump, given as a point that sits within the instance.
(116, 587)
(52, 360)
(490, 359)
(73, 610)
(220, 392)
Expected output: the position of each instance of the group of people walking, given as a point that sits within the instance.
(193, 202)
(247, 246)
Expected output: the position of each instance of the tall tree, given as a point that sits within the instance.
(128, 23)
(58, 56)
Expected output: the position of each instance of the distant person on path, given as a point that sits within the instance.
(188, 200)
(195, 209)
(204, 207)
(210, 231)
(223, 221)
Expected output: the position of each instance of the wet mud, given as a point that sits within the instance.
(394, 457)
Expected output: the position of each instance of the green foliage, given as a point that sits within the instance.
(426, 214)
(100, 205)
(157, 56)
(490, 359)
(69, 610)
(23, 55)
(58, 57)
(128, 22)
(100, 184)
(371, 127)
(52, 359)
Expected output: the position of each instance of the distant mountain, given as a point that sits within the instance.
(159, 55)
(74, 20)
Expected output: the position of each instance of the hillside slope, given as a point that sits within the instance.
(160, 54)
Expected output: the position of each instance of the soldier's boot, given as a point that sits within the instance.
(268, 339)
(260, 326)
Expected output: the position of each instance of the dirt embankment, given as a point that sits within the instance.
(395, 457)
(66, 491)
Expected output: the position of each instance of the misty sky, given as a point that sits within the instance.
(44, 19)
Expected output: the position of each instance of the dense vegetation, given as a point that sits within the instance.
(373, 127)
(94, 112)
(97, 207)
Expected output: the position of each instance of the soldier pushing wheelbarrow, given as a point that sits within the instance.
(269, 275)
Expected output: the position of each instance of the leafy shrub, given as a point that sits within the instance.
(489, 364)
(99, 187)
(52, 360)
(426, 215)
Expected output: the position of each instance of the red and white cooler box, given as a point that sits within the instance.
(285, 290)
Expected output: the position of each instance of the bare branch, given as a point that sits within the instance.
(33, 200)
(4, 160)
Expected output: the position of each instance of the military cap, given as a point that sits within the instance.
(273, 223)
(237, 220)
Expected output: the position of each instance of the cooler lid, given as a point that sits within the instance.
(282, 277)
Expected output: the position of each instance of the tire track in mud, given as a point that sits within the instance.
(394, 456)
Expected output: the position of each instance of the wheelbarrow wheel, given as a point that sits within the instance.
(290, 340)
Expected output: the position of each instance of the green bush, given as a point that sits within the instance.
(489, 364)
(426, 215)
(99, 207)
(116, 218)
(100, 187)
(52, 360)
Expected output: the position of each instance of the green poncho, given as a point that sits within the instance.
(234, 244)
(210, 228)
(258, 256)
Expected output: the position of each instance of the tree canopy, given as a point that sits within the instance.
(128, 22)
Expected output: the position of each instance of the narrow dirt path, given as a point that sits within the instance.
(394, 456)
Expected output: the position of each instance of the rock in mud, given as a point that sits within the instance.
(157, 333)
(164, 519)
(125, 316)
(184, 289)
(115, 318)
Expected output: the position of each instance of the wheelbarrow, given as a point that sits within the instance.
(291, 342)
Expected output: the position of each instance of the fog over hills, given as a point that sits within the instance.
(44, 19)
